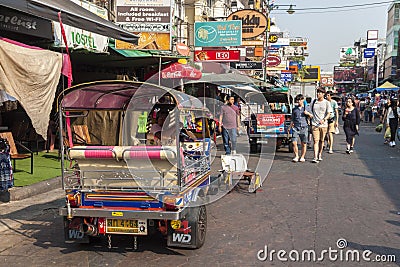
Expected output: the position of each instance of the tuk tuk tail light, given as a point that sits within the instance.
(172, 203)
(74, 199)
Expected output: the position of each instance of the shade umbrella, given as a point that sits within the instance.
(177, 70)
(387, 86)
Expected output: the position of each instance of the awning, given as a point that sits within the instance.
(143, 53)
(72, 15)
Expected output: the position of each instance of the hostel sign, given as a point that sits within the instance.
(80, 39)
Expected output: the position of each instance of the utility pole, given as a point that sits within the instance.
(377, 68)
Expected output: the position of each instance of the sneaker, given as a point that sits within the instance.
(351, 150)
(296, 159)
(314, 161)
(330, 151)
(348, 151)
(393, 144)
(320, 158)
(386, 142)
(302, 160)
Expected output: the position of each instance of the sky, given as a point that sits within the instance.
(330, 29)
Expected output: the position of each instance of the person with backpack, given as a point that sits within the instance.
(392, 119)
(299, 126)
(321, 111)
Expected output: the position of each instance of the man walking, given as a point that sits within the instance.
(321, 111)
(299, 128)
(333, 121)
(229, 122)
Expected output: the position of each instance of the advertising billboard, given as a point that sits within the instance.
(218, 33)
(348, 74)
(312, 74)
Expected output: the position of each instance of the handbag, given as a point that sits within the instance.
(379, 128)
(337, 130)
(387, 133)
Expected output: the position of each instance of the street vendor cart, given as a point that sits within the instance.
(126, 181)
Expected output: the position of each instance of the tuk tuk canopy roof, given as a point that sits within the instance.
(116, 95)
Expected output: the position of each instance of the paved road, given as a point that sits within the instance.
(302, 206)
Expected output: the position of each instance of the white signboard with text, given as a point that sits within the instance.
(80, 39)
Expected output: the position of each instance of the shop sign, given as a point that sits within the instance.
(217, 55)
(278, 34)
(80, 39)
(286, 76)
(99, 11)
(254, 23)
(372, 43)
(273, 61)
(218, 33)
(14, 21)
(304, 44)
(252, 43)
(143, 2)
(273, 38)
(369, 52)
(247, 65)
(144, 18)
(293, 51)
(312, 74)
(327, 81)
(298, 40)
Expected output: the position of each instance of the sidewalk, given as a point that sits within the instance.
(19, 193)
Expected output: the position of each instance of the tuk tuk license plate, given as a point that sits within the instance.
(124, 226)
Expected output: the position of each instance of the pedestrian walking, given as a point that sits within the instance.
(368, 110)
(386, 132)
(392, 119)
(351, 119)
(321, 110)
(307, 104)
(299, 126)
(229, 123)
(333, 121)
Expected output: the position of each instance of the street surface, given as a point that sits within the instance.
(302, 206)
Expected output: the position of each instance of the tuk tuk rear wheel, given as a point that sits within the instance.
(198, 215)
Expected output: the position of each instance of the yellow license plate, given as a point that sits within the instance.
(124, 226)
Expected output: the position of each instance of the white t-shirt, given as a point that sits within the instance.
(390, 114)
(319, 110)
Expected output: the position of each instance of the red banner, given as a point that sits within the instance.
(217, 55)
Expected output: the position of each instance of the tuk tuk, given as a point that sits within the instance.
(270, 119)
(125, 180)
